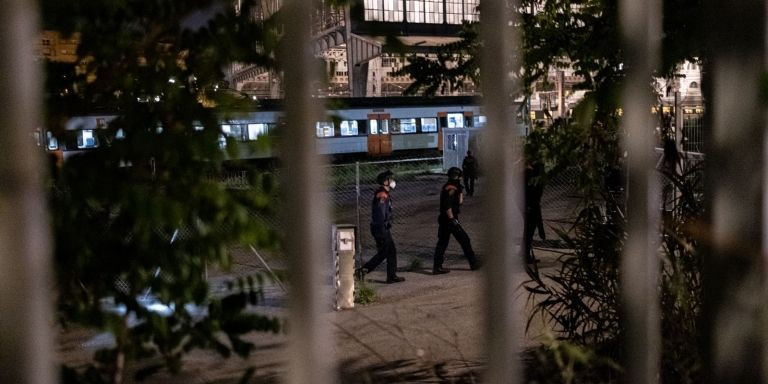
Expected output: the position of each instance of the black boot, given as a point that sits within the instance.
(396, 279)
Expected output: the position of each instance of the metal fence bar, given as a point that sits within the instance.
(504, 261)
(734, 277)
(641, 30)
(307, 227)
(26, 321)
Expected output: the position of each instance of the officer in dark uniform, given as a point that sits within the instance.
(451, 199)
(381, 223)
(469, 169)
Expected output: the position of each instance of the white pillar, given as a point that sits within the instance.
(26, 321)
(306, 216)
(504, 316)
(641, 33)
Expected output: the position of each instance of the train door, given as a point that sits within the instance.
(379, 139)
(455, 138)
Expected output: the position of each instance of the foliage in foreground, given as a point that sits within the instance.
(580, 301)
(139, 220)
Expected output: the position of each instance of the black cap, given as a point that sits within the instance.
(454, 171)
(384, 176)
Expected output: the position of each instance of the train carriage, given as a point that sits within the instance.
(354, 128)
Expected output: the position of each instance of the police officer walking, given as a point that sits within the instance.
(469, 168)
(381, 223)
(451, 199)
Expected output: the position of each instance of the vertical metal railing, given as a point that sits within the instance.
(641, 32)
(735, 266)
(26, 337)
(503, 316)
(734, 298)
(307, 225)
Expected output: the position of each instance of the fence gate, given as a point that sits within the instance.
(455, 145)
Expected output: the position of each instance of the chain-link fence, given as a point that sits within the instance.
(693, 135)
(415, 203)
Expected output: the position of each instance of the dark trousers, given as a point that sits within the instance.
(385, 247)
(444, 231)
(469, 182)
(533, 221)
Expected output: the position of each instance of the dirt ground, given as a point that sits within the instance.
(426, 329)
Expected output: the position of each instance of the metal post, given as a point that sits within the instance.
(734, 296)
(26, 321)
(678, 123)
(306, 216)
(641, 32)
(358, 238)
(561, 94)
(502, 155)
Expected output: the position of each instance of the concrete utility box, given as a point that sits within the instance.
(344, 265)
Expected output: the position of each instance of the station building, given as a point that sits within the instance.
(351, 40)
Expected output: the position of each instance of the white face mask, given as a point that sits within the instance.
(392, 184)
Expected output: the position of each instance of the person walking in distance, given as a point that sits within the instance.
(451, 199)
(534, 189)
(381, 223)
(469, 168)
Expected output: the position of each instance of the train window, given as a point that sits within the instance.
(379, 127)
(403, 125)
(349, 128)
(53, 142)
(233, 130)
(479, 121)
(384, 127)
(86, 139)
(324, 129)
(429, 124)
(455, 120)
(256, 130)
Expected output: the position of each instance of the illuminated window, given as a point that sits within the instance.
(457, 11)
(233, 130)
(429, 124)
(425, 11)
(454, 11)
(403, 125)
(86, 139)
(379, 127)
(384, 10)
(256, 130)
(324, 129)
(349, 128)
(471, 12)
(53, 142)
(455, 120)
(478, 121)
(384, 127)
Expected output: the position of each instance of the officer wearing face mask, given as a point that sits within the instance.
(381, 223)
(451, 199)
